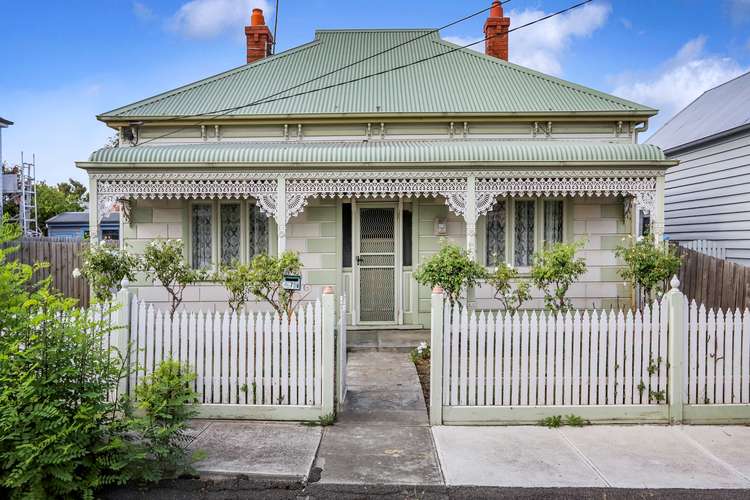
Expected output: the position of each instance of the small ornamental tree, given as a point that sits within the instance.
(163, 261)
(511, 298)
(266, 277)
(649, 265)
(236, 279)
(554, 270)
(105, 266)
(452, 270)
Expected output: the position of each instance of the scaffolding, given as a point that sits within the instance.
(18, 187)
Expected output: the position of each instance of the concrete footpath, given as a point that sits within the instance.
(652, 457)
(382, 445)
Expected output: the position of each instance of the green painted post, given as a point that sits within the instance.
(677, 328)
(329, 345)
(436, 362)
(122, 329)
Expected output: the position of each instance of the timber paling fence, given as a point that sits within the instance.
(63, 255)
(249, 365)
(713, 281)
(674, 361)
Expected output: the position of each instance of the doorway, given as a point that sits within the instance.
(377, 262)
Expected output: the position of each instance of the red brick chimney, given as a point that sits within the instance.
(496, 32)
(259, 38)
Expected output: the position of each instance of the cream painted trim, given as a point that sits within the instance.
(532, 415)
(259, 412)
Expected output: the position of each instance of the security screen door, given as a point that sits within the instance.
(376, 263)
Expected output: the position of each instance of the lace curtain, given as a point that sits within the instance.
(201, 237)
(496, 235)
(230, 233)
(524, 233)
(257, 232)
(553, 221)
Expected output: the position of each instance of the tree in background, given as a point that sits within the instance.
(68, 196)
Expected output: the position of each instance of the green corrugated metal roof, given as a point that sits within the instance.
(463, 82)
(383, 152)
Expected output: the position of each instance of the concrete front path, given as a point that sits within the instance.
(382, 436)
(656, 457)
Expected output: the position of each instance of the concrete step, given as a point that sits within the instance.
(386, 340)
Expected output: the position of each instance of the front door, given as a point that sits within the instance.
(376, 262)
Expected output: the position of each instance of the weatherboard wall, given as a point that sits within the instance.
(708, 196)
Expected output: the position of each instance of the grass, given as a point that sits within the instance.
(556, 421)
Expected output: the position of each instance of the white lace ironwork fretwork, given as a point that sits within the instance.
(453, 187)
(643, 189)
(110, 192)
(299, 191)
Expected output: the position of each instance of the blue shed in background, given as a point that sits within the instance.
(76, 225)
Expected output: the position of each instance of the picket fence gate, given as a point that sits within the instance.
(249, 365)
(673, 361)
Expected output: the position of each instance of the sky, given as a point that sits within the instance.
(62, 63)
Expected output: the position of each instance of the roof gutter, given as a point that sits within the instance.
(640, 130)
(197, 120)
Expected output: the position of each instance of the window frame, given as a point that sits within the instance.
(216, 233)
(510, 227)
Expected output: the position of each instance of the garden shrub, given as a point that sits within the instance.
(163, 260)
(649, 265)
(237, 279)
(168, 402)
(266, 277)
(512, 298)
(555, 269)
(451, 269)
(105, 266)
(61, 434)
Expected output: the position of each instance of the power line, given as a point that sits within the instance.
(342, 68)
(276, 98)
(223, 112)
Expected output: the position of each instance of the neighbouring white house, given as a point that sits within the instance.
(363, 149)
(708, 193)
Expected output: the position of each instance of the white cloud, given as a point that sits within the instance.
(209, 18)
(542, 46)
(680, 80)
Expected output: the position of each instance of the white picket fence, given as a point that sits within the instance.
(718, 354)
(597, 358)
(671, 362)
(712, 248)
(248, 364)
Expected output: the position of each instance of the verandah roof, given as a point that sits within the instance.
(384, 152)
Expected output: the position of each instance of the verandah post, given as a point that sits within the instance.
(436, 355)
(328, 350)
(676, 336)
(122, 332)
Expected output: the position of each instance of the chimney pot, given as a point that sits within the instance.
(496, 32)
(259, 37)
(257, 18)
